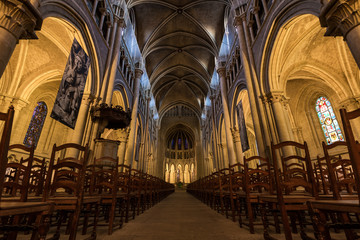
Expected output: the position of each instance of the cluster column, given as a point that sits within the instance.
(237, 141)
(18, 20)
(123, 136)
(131, 146)
(230, 144)
(342, 18)
(240, 25)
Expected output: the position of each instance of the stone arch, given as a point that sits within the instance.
(302, 65)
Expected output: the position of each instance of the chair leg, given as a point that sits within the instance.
(250, 216)
(112, 216)
(285, 221)
(74, 223)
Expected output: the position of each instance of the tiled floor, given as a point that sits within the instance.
(182, 217)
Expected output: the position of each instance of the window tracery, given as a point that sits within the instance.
(328, 121)
(36, 124)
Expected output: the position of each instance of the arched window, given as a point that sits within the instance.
(329, 124)
(36, 124)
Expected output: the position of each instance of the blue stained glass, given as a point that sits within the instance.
(36, 124)
(327, 118)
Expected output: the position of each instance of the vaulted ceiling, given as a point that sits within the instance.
(179, 40)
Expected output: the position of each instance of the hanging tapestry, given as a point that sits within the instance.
(68, 99)
(242, 128)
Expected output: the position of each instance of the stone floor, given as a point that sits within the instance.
(182, 217)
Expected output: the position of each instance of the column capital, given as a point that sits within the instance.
(19, 104)
(20, 18)
(123, 135)
(120, 21)
(138, 73)
(236, 134)
(276, 96)
(221, 69)
(339, 16)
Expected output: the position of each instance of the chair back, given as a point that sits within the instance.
(297, 169)
(104, 176)
(258, 179)
(353, 145)
(66, 174)
(340, 170)
(17, 176)
(4, 143)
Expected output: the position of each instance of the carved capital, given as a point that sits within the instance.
(20, 18)
(138, 73)
(221, 70)
(340, 16)
(120, 21)
(123, 135)
(276, 96)
(19, 104)
(236, 134)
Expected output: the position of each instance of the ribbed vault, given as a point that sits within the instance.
(179, 41)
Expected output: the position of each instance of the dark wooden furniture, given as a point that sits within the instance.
(258, 181)
(294, 186)
(65, 187)
(12, 211)
(340, 206)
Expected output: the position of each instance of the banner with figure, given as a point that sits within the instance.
(68, 99)
(242, 127)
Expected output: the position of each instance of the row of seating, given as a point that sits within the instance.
(291, 189)
(70, 190)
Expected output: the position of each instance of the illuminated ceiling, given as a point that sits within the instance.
(179, 41)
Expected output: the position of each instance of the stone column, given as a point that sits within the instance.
(131, 146)
(282, 122)
(123, 136)
(214, 145)
(342, 18)
(237, 141)
(276, 99)
(78, 133)
(239, 23)
(18, 20)
(229, 142)
(115, 59)
(350, 104)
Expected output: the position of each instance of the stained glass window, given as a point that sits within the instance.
(329, 124)
(36, 124)
(179, 143)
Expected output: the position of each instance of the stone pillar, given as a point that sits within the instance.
(115, 59)
(122, 136)
(229, 142)
(18, 20)
(350, 104)
(131, 146)
(237, 141)
(282, 122)
(215, 138)
(239, 24)
(276, 99)
(95, 4)
(78, 132)
(342, 18)
(102, 19)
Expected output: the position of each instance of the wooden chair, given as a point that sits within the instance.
(341, 206)
(105, 183)
(237, 180)
(294, 186)
(258, 181)
(14, 210)
(65, 187)
(17, 176)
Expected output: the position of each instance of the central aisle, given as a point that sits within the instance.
(181, 217)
